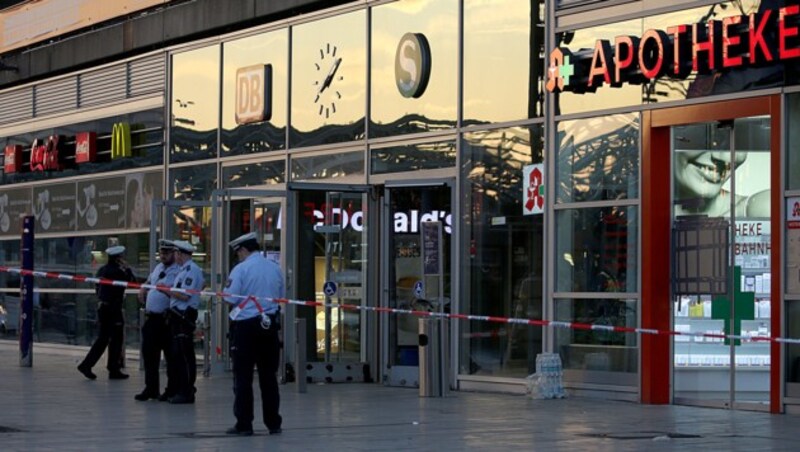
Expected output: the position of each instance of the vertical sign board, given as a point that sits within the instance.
(26, 295)
(431, 232)
(533, 189)
(793, 245)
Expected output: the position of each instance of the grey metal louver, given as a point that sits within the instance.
(56, 96)
(16, 105)
(147, 75)
(101, 86)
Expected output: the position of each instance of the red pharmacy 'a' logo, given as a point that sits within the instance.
(535, 191)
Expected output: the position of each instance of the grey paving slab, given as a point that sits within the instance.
(52, 407)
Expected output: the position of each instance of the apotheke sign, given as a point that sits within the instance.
(755, 39)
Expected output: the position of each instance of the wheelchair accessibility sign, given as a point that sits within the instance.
(418, 289)
(329, 288)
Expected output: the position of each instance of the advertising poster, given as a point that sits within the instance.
(100, 204)
(14, 206)
(793, 245)
(54, 207)
(140, 191)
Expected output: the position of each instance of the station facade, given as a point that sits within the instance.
(620, 163)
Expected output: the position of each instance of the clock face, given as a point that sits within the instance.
(327, 80)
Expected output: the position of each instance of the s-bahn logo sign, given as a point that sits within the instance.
(755, 39)
(412, 65)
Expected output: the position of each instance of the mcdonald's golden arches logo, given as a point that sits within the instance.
(121, 141)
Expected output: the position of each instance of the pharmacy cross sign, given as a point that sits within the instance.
(745, 307)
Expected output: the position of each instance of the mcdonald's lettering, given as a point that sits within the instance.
(121, 141)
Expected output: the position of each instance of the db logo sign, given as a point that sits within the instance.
(254, 94)
(533, 189)
(412, 65)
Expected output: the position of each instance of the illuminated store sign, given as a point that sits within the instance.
(85, 147)
(412, 65)
(13, 159)
(121, 141)
(48, 156)
(254, 94)
(739, 41)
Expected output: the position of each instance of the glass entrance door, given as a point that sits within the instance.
(236, 212)
(406, 285)
(721, 252)
(331, 266)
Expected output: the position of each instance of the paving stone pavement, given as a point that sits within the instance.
(52, 407)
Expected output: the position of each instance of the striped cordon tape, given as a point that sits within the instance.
(443, 315)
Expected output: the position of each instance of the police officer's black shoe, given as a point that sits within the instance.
(239, 431)
(165, 397)
(117, 375)
(181, 399)
(275, 431)
(146, 395)
(87, 372)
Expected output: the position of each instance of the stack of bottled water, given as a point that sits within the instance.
(547, 382)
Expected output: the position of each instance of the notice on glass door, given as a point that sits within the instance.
(793, 245)
(431, 248)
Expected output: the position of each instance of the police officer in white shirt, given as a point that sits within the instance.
(255, 322)
(182, 318)
(155, 331)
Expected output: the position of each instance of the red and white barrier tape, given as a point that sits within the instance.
(479, 318)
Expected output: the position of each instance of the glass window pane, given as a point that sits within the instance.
(793, 142)
(592, 350)
(413, 157)
(253, 174)
(497, 35)
(194, 182)
(502, 268)
(268, 48)
(194, 104)
(596, 249)
(598, 159)
(434, 106)
(331, 166)
(329, 80)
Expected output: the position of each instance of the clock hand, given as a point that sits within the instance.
(329, 77)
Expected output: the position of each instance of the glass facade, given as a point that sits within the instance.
(501, 272)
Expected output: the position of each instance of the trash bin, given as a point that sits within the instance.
(433, 374)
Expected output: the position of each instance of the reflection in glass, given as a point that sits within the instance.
(330, 166)
(413, 157)
(598, 159)
(267, 48)
(793, 142)
(194, 182)
(497, 35)
(591, 350)
(329, 80)
(596, 249)
(503, 252)
(194, 104)
(435, 109)
(793, 350)
(254, 174)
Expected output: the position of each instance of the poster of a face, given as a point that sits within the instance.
(100, 204)
(54, 207)
(702, 170)
(140, 191)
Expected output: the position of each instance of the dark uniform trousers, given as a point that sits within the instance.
(111, 323)
(155, 340)
(182, 360)
(252, 346)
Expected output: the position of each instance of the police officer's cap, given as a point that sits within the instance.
(247, 239)
(166, 244)
(115, 251)
(184, 246)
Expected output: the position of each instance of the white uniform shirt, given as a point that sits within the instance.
(259, 277)
(157, 301)
(190, 277)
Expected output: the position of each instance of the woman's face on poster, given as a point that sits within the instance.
(701, 174)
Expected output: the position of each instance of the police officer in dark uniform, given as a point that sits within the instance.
(182, 323)
(255, 322)
(155, 331)
(110, 318)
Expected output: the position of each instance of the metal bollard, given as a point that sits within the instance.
(432, 358)
(300, 355)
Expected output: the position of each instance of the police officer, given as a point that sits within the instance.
(155, 331)
(255, 322)
(182, 318)
(110, 319)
